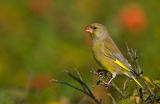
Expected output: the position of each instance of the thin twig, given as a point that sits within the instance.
(82, 83)
(113, 100)
(85, 89)
(70, 85)
(80, 78)
(148, 88)
(118, 89)
(125, 84)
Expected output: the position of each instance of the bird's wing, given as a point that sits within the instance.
(112, 51)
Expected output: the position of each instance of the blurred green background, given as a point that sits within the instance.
(41, 38)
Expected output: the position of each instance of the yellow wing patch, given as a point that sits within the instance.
(121, 64)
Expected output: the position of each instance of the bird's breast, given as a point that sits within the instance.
(97, 48)
(106, 62)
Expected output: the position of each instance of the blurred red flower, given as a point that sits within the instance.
(39, 6)
(132, 17)
(40, 81)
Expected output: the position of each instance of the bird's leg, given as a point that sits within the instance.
(113, 76)
(102, 73)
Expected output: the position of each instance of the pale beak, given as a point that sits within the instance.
(88, 29)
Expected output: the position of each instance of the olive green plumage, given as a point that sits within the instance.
(107, 53)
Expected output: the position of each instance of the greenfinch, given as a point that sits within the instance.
(107, 53)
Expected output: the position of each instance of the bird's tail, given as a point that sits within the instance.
(135, 79)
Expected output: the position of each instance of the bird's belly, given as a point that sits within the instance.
(107, 62)
(110, 65)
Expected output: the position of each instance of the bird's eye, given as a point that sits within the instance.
(94, 28)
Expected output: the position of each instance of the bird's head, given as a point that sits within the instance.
(96, 31)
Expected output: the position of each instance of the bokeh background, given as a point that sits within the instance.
(41, 38)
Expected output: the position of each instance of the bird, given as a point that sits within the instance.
(107, 54)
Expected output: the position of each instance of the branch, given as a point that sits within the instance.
(134, 58)
(85, 89)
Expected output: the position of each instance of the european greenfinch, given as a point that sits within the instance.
(107, 53)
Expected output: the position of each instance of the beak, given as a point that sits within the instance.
(88, 29)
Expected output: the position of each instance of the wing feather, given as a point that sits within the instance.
(111, 50)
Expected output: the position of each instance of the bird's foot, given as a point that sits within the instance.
(102, 73)
(103, 83)
(106, 84)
